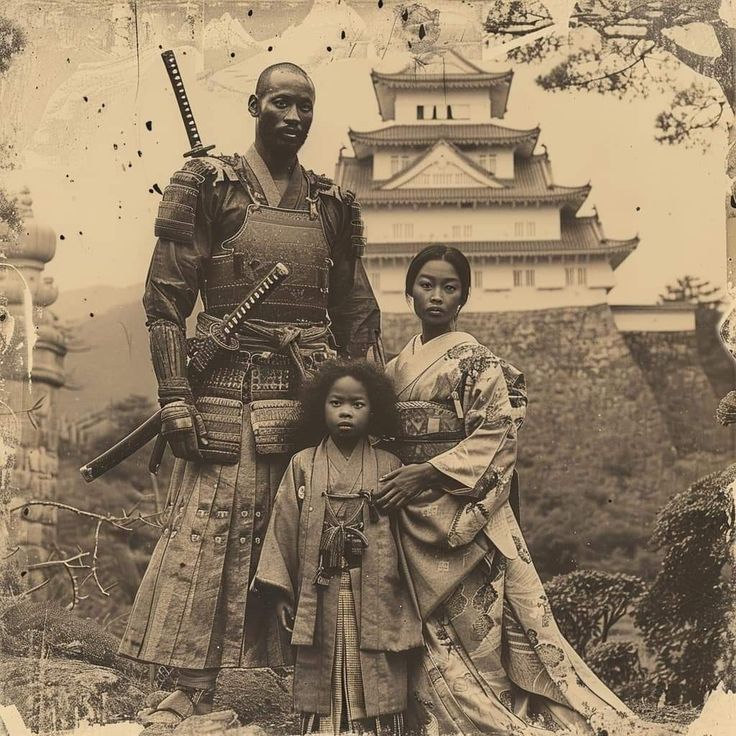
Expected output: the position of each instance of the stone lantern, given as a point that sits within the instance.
(33, 348)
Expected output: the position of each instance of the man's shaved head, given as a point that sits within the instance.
(264, 78)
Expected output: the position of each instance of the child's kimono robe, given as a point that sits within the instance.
(494, 660)
(352, 629)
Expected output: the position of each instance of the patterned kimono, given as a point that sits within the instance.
(494, 660)
(337, 562)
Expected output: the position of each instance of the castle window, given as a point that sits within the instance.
(519, 229)
(518, 277)
(420, 112)
(403, 230)
(488, 162)
(529, 277)
(467, 231)
(569, 276)
(478, 279)
(376, 280)
(582, 276)
(456, 231)
(395, 166)
(531, 228)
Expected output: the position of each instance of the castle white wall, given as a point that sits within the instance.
(469, 105)
(653, 318)
(506, 286)
(456, 224)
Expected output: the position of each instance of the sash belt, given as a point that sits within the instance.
(307, 346)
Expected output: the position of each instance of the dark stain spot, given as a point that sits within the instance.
(85, 98)
(140, 154)
(270, 48)
(182, 564)
(405, 15)
(329, 48)
(232, 54)
(149, 124)
(422, 32)
(380, 4)
(114, 146)
(81, 233)
(342, 35)
(68, 60)
(157, 188)
(91, 314)
(24, 573)
(62, 237)
(160, 46)
(638, 209)
(250, 13)
(26, 511)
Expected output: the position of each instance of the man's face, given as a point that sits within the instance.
(284, 112)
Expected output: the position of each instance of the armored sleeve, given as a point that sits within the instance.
(356, 318)
(183, 227)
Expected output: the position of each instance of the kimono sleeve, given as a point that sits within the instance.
(483, 463)
(278, 567)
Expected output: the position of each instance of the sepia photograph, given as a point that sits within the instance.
(367, 367)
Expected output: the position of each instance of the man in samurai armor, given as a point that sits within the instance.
(223, 223)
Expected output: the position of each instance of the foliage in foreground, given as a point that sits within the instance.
(684, 613)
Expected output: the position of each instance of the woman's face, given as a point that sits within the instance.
(437, 294)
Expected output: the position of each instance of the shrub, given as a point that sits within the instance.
(684, 613)
(587, 603)
(617, 664)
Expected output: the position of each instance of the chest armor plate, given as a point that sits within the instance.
(269, 235)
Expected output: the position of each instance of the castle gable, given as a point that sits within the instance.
(442, 166)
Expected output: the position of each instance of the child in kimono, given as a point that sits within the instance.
(331, 563)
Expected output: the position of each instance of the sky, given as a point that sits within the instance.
(91, 164)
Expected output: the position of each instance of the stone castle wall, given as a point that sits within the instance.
(609, 417)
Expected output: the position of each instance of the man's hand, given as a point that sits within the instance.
(399, 486)
(183, 428)
(285, 614)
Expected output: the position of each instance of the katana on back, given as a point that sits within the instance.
(177, 84)
(221, 338)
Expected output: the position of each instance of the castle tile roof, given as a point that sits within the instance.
(578, 236)
(413, 80)
(530, 184)
(462, 134)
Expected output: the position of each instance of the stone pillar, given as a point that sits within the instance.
(33, 373)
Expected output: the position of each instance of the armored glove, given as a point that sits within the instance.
(181, 423)
(184, 429)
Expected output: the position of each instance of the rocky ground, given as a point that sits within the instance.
(59, 671)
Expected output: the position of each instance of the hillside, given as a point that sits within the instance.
(116, 362)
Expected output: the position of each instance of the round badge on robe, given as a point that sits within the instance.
(301, 492)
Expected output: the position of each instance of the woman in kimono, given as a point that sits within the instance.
(494, 660)
(331, 565)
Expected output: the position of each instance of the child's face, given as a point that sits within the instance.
(347, 409)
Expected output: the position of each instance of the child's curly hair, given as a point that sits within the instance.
(384, 416)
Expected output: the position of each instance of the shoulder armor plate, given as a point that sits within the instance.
(177, 210)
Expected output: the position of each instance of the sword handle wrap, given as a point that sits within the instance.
(177, 84)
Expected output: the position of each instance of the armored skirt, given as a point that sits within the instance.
(193, 608)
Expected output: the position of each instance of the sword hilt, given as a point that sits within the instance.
(275, 276)
(177, 84)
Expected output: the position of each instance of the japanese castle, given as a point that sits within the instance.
(445, 171)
